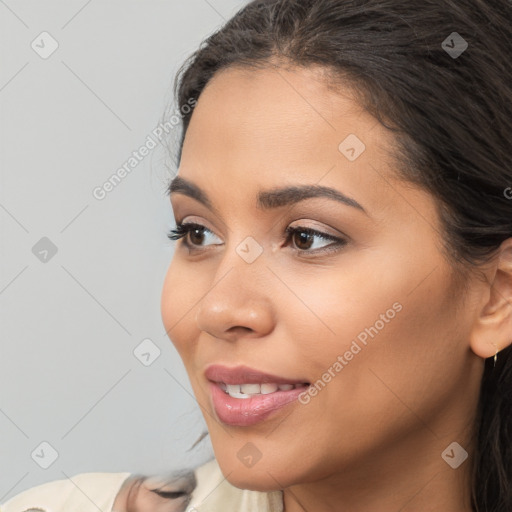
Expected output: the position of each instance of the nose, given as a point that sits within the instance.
(238, 302)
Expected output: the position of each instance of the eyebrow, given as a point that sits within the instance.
(267, 199)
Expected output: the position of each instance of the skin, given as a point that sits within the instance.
(137, 496)
(372, 439)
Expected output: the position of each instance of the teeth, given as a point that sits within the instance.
(234, 391)
(248, 390)
(268, 387)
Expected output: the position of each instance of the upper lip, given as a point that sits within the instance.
(244, 375)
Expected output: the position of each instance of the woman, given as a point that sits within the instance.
(341, 294)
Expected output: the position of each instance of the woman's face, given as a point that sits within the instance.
(370, 316)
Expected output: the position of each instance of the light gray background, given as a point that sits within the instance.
(70, 325)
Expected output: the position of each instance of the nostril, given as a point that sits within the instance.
(239, 328)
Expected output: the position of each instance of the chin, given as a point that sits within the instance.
(263, 476)
(255, 482)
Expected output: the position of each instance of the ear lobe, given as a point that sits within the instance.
(492, 331)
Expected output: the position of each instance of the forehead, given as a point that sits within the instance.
(278, 109)
(256, 129)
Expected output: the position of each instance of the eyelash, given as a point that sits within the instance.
(170, 495)
(183, 229)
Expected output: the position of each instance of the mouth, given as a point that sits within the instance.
(249, 380)
(251, 389)
(243, 396)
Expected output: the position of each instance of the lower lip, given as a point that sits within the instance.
(243, 412)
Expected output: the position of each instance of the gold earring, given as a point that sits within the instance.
(495, 357)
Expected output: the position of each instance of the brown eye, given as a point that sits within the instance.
(304, 239)
(194, 234)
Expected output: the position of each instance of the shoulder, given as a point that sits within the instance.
(213, 492)
(85, 492)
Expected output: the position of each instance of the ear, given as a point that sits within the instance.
(492, 330)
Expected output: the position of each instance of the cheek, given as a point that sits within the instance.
(180, 294)
(393, 337)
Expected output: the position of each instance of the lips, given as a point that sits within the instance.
(251, 409)
(246, 375)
